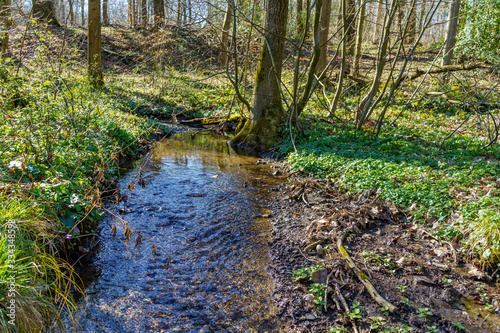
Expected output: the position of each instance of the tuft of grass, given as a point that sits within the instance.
(38, 283)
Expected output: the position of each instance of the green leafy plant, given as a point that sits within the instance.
(356, 311)
(424, 313)
(406, 302)
(318, 290)
(459, 326)
(377, 322)
(432, 329)
(338, 329)
(304, 273)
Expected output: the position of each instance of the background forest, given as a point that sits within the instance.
(398, 95)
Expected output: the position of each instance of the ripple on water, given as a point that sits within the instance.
(197, 205)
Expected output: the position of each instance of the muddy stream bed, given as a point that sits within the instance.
(202, 209)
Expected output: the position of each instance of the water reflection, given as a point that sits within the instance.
(198, 208)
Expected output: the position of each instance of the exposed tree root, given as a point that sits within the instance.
(365, 280)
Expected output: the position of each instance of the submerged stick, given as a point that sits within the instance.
(365, 280)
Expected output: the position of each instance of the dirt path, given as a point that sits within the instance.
(427, 281)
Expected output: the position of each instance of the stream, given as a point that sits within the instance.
(202, 208)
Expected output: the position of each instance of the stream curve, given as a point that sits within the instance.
(201, 208)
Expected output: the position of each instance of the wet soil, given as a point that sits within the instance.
(425, 279)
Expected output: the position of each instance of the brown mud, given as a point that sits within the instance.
(425, 279)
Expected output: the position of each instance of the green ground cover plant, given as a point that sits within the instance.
(60, 144)
(455, 184)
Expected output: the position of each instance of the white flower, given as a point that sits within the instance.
(15, 164)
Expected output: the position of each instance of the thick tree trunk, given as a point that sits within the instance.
(5, 25)
(105, 17)
(359, 39)
(44, 11)
(159, 12)
(261, 130)
(326, 10)
(451, 32)
(226, 25)
(94, 43)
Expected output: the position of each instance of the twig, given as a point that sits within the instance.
(442, 241)
(365, 280)
(346, 308)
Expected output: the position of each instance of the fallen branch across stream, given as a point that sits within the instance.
(365, 280)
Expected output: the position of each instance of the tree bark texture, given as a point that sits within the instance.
(350, 26)
(144, 13)
(44, 11)
(94, 43)
(159, 12)
(105, 17)
(5, 25)
(451, 32)
(326, 10)
(299, 18)
(261, 130)
(359, 38)
(226, 25)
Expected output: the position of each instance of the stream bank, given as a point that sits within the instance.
(432, 288)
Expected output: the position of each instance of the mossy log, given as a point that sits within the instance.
(236, 118)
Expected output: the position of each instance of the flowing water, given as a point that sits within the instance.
(202, 207)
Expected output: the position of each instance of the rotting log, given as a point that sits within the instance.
(365, 280)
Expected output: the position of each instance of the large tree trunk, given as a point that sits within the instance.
(44, 11)
(226, 25)
(94, 43)
(326, 10)
(261, 130)
(5, 25)
(451, 32)
(105, 17)
(159, 11)
(359, 38)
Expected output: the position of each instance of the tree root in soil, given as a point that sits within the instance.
(365, 280)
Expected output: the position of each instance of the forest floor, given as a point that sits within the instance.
(426, 235)
(432, 288)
